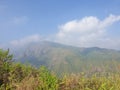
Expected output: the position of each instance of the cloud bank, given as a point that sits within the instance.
(87, 32)
(26, 40)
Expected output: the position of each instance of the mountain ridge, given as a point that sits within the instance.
(62, 58)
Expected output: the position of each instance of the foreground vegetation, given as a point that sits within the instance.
(16, 76)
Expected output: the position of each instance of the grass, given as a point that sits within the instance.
(43, 79)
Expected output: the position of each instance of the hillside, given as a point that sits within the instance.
(66, 59)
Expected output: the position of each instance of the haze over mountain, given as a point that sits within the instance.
(62, 58)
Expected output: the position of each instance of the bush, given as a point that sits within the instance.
(5, 65)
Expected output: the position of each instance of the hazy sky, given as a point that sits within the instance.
(84, 23)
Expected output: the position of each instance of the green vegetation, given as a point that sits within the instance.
(16, 76)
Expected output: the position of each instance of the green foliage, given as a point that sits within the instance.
(5, 60)
(5, 65)
(47, 79)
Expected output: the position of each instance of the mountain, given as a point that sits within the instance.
(62, 58)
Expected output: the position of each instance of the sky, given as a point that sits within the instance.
(82, 23)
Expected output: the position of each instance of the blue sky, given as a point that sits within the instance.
(84, 23)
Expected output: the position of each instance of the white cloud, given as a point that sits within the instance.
(26, 40)
(87, 32)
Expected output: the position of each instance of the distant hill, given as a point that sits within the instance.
(62, 58)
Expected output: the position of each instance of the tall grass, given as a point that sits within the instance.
(43, 79)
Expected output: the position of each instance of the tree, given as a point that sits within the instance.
(5, 63)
